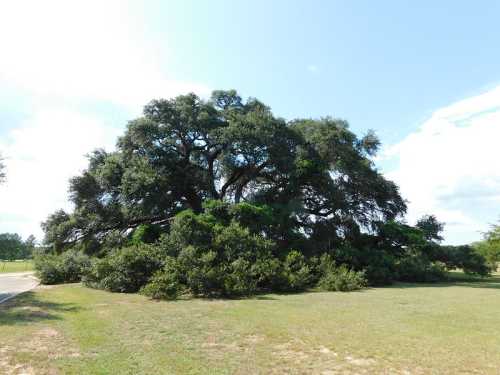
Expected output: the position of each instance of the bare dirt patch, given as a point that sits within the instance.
(253, 339)
(8, 368)
(360, 361)
(46, 342)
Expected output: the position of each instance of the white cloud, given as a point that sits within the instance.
(450, 166)
(42, 154)
(88, 49)
(57, 55)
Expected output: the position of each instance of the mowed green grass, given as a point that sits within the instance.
(17, 266)
(451, 328)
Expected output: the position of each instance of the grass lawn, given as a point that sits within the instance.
(16, 266)
(451, 328)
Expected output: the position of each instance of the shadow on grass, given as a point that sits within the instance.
(28, 308)
(269, 295)
(457, 279)
(263, 297)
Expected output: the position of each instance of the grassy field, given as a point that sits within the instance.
(451, 328)
(17, 266)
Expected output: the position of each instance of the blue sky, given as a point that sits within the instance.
(424, 75)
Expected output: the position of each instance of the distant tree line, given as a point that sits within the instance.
(221, 197)
(12, 247)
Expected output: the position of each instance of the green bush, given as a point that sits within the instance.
(48, 269)
(241, 280)
(188, 229)
(464, 257)
(489, 248)
(126, 269)
(202, 271)
(114, 239)
(490, 251)
(296, 273)
(383, 273)
(342, 279)
(378, 263)
(255, 218)
(381, 269)
(218, 210)
(242, 249)
(165, 283)
(146, 233)
(413, 268)
(323, 264)
(65, 268)
(234, 265)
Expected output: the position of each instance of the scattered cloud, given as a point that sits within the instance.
(42, 154)
(73, 62)
(92, 49)
(450, 166)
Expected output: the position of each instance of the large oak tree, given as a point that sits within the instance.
(316, 173)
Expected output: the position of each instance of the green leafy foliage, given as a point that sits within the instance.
(382, 270)
(300, 179)
(124, 270)
(489, 247)
(165, 283)
(418, 269)
(257, 218)
(465, 258)
(228, 251)
(146, 233)
(12, 247)
(231, 265)
(296, 273)
(342, 279)
(64, 268)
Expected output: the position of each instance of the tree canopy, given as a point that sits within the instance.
(489, 247)
(316, 175)
(12, 247)
(431, 228)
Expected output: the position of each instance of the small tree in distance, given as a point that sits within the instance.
(12, 246)
(489, 247)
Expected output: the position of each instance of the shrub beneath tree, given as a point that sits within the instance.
(68, 267)
(342, 279)
(124, 270)
(165, 283)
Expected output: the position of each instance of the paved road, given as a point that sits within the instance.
(15, 283)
